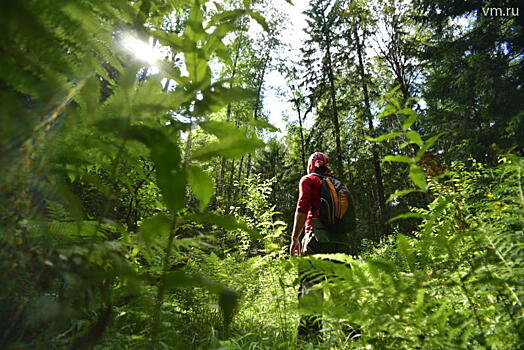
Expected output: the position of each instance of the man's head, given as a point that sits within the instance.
(317, 163)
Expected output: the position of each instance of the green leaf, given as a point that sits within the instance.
(166, 155)
(409, 215)
(217, 97)
(214, 42)
(427, 145)
(194, 30)
(72, 230)
(218, 6)
(198, 69)
(388, 110)
(233, 142)
(429, 142)
(404, 144)
(412, 117)
(222, 52)
(228, 302)
(220, 129)
(227, 222)
(170, 178)
(182, 279)
(416, 173)
(414, 137)
(117, 126)
(383, 137)
(402, 159)
(90, 94)
(382, 264)
(394, 101)
(227, 297)
(154, 227)
(401, 193)
(411, 101)
(226, 16)
(179, 97)
(407, 111)
(174, 41)
(128, 79)
(260, 19)
(405, 251)
(261, 124)
(182, 81)
(201, 183)
(232, 147)
(442, 204)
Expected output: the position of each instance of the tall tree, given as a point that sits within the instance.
(238, 43)
(302, 107)
(376, 161)
(323, 19)
(474, 72)
(397, 41)
(357, 28)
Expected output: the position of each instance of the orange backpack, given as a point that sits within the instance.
(337, 209)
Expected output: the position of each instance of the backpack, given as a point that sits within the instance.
(337, 209)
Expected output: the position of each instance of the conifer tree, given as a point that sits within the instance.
(321, 61)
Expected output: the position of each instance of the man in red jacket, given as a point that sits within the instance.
(307, 220)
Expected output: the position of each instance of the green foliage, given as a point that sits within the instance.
(119, 127)
(260, 215)
(454, 285)
(473, 85)
(140, 212)
(416, 172)
(202, 184)
(232, 142)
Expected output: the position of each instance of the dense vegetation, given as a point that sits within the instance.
(150, 207)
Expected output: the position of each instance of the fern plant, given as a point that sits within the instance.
(453, 284)
(86, 114)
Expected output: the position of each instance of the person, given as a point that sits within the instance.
(309, 236)
(315, 238)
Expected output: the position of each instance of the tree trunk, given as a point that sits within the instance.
(334, 110)
(221, 179)
(376, 160)
(260, 83)
(239, 178)
(166, 85)
(189, 142)
(302, 145)
(229, 189)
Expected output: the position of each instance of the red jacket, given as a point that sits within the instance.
(309, 198)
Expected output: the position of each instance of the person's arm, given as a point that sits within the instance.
(303, 206)
(298, 227)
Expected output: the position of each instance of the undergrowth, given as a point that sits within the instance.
(111, 236)
(454, 284)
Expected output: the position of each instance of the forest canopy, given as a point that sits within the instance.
(151, 154)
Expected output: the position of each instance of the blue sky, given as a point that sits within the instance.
(293, 36)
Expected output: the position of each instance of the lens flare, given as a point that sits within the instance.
(144, 51)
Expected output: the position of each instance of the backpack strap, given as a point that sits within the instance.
(322, 177)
